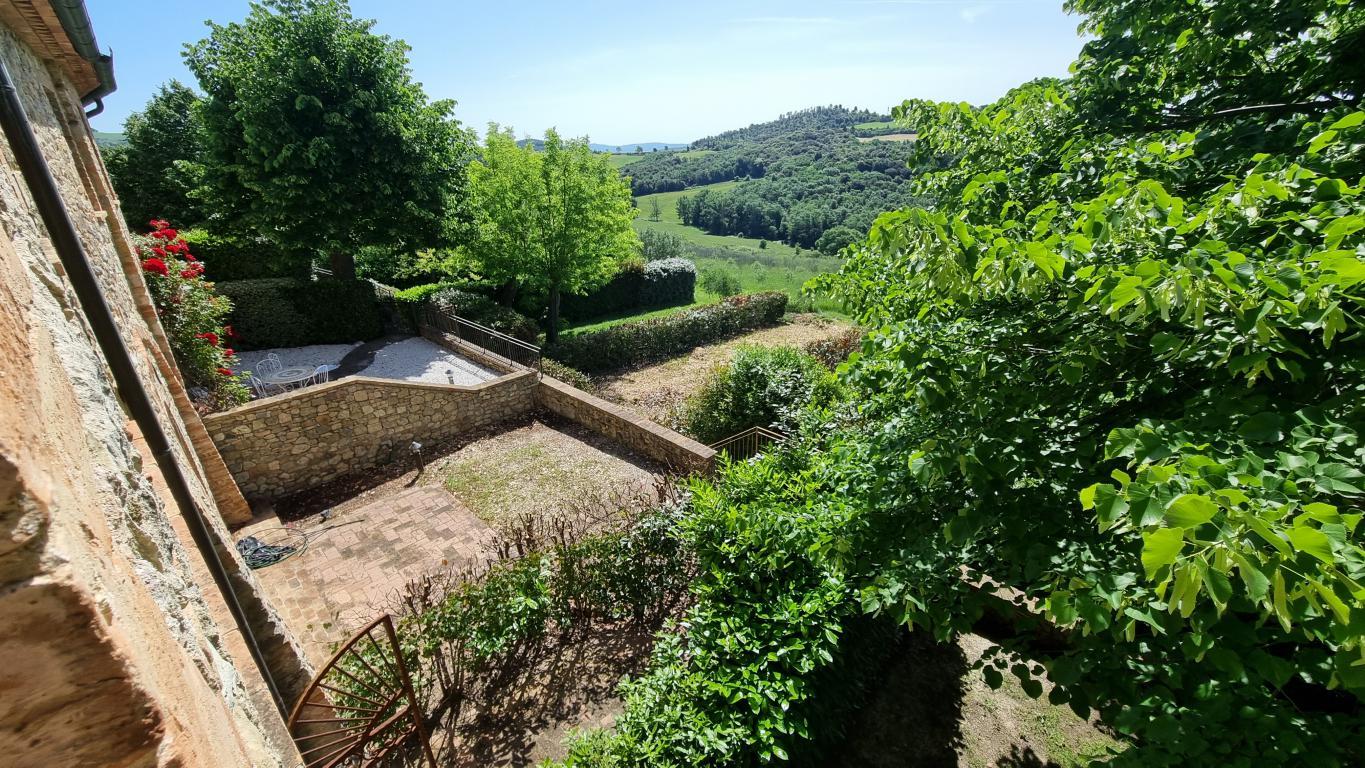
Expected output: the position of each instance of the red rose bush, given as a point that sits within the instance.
(192, 314)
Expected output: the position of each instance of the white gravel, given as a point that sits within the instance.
(417, 359)
(303, 357)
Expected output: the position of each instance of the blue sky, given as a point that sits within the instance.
(633, 72)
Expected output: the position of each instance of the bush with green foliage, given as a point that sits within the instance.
(650, 285)
(571, 376)
(482, 310)
(719, 281)
(641, 341)
(833, 350)
(1118, 374)
(286, 312)
(243, 259)
(760, 387)
(657, 246)
(555, 576)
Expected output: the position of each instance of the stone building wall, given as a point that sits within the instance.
(293, 442)
(625, 427)
(117, 648)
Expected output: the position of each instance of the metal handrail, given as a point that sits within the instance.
(748, 443)
(496, 343)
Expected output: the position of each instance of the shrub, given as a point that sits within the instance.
(283, 312)
(656, 245)
(238, 259)
(571, 376)
(719, 281)
(192, 313)
(835, 349)
(669, 283)
(761, 387)
(642, 341)
(652, 285)
(485, 311)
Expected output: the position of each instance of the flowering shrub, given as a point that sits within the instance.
(192, 314)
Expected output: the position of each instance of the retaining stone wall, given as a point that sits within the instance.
(625, 427)
(300, 440)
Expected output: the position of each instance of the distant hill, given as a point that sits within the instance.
(810, 178)
(626, 149)
(617, 149)
(107, 139)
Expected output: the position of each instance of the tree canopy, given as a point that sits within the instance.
(557, 218)
(317, 136)
(1117, 378)
(153, 172)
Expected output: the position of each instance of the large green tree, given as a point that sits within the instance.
(318, 138)
(1118, 377)
(558, 218)
(153, 171)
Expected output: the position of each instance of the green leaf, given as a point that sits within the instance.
(1263, 428)
(1257, 585)
(1280, 602)
(1311, 541)
(1160, 548)
(1349, 121)
(1191, 510)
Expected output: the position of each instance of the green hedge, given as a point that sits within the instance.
(228, 259)
(453, 298)
(629, 344)
(286, 312)
(657, 284)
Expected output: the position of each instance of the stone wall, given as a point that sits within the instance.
(625, 427)
(116, 644)
(293, 442)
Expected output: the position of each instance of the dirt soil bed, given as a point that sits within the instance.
(524, 716)
(658, 391)
(932, 709)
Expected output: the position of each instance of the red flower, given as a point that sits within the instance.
(229, 352)
(209, 336)
(159, 251)
(158, 223)
(155, 265)
(190, 258)
(224, 372)
(188, 273)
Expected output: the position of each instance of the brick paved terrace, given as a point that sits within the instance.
(396, 524)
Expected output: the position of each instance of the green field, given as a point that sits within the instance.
(875, 126)
(773, 267)
(668, 201)
(621, 161)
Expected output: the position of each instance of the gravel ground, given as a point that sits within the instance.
(306, 357)
(417, 359)
(659, 391)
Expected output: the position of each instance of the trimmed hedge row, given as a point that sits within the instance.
(452, 298)
(643, 341)
(228, 259)
(657, 284)
(287, 312)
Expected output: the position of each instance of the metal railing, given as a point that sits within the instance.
(515, 351)
(748, 443)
